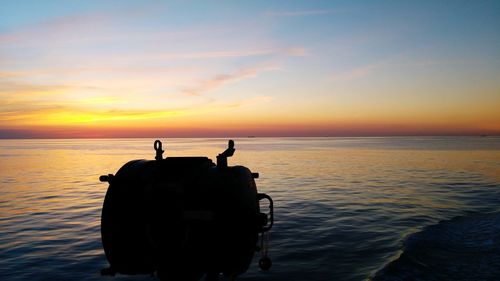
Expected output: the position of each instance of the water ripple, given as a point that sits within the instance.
(343, 207)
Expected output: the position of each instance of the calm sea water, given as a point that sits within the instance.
(403, 208)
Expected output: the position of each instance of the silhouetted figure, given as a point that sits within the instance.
(183, 217)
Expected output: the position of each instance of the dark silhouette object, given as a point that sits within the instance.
(183, 217)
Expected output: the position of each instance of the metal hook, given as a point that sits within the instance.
(158, 149)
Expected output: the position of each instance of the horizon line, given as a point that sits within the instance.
(252, 136)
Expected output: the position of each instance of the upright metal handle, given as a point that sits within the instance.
(270, 223)
(159, 150)
(222, 158)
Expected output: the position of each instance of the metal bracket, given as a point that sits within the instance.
(270, 221)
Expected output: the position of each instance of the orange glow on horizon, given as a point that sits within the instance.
(173, 129)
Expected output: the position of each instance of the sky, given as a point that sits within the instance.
(98, 69)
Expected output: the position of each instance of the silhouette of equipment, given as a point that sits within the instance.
(182, 218)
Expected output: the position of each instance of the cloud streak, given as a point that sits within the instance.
(297, 51)
(300, 13)
(392, 61)
(223, 79)
(76, 113)
(356, 73)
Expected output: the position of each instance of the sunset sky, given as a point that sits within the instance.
(240, 68)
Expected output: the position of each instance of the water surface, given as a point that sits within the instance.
(344, 207)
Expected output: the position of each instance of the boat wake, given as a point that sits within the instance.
(463, 248)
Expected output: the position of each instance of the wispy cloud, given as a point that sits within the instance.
(222, 79)
(297, 51)
(221, 54)
(394, 61)
(435, 62)
(249, 101)
(9, 74)
(73, 25)
(54, 28)
(356, 73)
(54, 115)
(19, 89)
(77, 113)
(300, 13)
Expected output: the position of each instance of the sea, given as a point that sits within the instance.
(368, 208)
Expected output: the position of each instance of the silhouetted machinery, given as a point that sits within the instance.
(184, 217)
